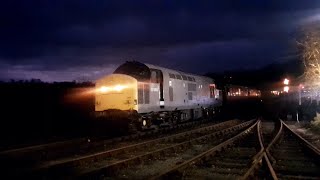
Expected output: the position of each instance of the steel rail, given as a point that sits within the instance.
(305, 142)
(256, 163)
(42, 147)
(112, 152)
(173, 148)
(257, 160)
(204, 155)
(56, 150)
(271, 170)
(64, 143)
(276, 138)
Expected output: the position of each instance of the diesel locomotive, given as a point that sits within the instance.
(144, 95)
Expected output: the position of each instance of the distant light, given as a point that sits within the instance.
(286, 81)
(286, 89)
(301, 86)
(275, 92)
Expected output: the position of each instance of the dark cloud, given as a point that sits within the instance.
(86, 36)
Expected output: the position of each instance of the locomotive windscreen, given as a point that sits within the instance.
(135, 69)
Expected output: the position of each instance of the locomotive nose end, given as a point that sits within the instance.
(116, 91)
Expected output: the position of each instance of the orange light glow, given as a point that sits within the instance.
(117, 88)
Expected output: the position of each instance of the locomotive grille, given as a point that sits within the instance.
(140, 93)
(143, 93)
(190, 95)
(192, 87)
(171, 93)
(146, 93)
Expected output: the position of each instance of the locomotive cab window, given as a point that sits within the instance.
(156, 76)
(153, 77)
(135, 69)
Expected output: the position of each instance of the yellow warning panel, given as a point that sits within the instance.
(116, 91)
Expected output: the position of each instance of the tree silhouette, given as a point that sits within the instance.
(311, 55)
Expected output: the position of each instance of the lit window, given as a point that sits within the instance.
(170, 83)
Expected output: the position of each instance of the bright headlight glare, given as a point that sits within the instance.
(117, 88)
(104, 89)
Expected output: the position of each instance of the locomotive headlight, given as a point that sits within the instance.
(104, 89)
(118, 88)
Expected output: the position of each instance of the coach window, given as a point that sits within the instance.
(184, 77)
(172, 76)
(178, 77)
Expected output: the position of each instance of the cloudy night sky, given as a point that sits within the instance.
(65, 40)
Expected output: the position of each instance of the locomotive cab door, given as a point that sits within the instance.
(157, 77)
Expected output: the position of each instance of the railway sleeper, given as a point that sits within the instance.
(296, 171)
(206, 173)
(296, 177)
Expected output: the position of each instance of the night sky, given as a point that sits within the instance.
(65, 40)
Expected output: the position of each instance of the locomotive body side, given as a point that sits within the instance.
(184, 91)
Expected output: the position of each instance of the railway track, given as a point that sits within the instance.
(177, 153)
(292, 157)
(231, 159)
(228, 150)
(27, 156)
(62, 165)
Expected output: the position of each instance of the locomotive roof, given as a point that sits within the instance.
(175, 71)
(141, 71)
